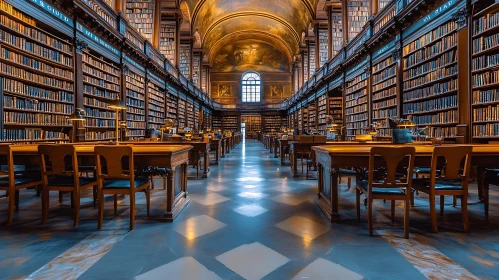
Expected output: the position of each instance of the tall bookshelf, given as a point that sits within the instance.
(430, 85)
(312, 115)
(135, 102)
(358, 15)
(204, 78)
(323, 46)
(181, 113)
(196, 70)
(337, 32)
(167, 40)
(272, 123)
(356, 107)
(198, 118)
(304, 116)
(335, 109)
(185, 60)
(305, 67)
(37, 72)
(299, 120)
(384, 93)
(189, 109)
(171, 106)
(253, 122)
(101, 85)
(485, 74)
(140, 14)
(231, 123)
(217, 123)
(311, 58)
(322, 107)
(155, 106)
(105, 15)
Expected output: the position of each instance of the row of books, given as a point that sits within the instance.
(356, 102)
(35, 34)
(385, 113)
(487, 78)
(356, 109)
(430, 77)
(35, 49)
(96, 113)
(431, 37)
(485, 61)
(447, 117)
(485, 43)
(12, 86)
(35, 105)
(34, 64)
(31, 134)
(430, 105)
(485, 96)
(486, 130)
(441, 61)
(109, 19)
(35, 119)
(100, 83)
(447, 44)
(100, 135)
(27, 76)
(102, 123)
(489, 113)
(385, 84)
(384, 103)
(104, 68)
(389, 92)
(433, 90)
(384, 74)
(358, 125)
(441, 132)
(485, 23)
(4, 6)
(94, 91)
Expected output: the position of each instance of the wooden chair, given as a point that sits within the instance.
(113, 179)
(305, 139)
(13, 182)
(451, 183)
(389, 187)
(60, 172)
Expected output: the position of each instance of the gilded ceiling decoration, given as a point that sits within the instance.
(250, 54)
(278, 22)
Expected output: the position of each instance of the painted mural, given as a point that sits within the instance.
(249, 55)
(276, 91)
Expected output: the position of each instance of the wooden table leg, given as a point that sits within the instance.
(216, 154)
(206, 163)
(295, 166)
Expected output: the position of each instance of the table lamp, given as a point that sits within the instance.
(117, 105)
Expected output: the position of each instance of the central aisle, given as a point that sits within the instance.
(250, 219)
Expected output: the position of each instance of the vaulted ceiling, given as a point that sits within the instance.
(280, 23)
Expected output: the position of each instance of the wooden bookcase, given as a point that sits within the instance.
(272, 123)
(358, 15)
(185, 60)
(101, 85)
(356, 101)
(189, 113)
(135, 102)
(323, 46)
(384, 98)
(155, 105)
(181, 113)
(167, 40)
(430, 80)
(485, 73)
(337, 32)
(36, 78)
(140, 14)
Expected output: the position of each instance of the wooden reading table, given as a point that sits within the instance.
(333, 157)
(173, 157)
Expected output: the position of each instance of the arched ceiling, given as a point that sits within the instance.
(277, 22)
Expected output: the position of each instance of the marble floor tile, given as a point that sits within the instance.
(322, 269)
(250, 210)
(197, 226)
(186, 268)
(303, 227)
(252, 195)
(252, 261)
(209, 199)
(250, 186)
(290, 199)
(216, 188)
(250, 179)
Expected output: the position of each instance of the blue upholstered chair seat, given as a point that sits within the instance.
(364, 185)
(19, 180)
(58, 180)
(439, 184)
(122, 183)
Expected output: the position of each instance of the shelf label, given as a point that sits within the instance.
(432, 16)
(96, 39)
(134, 63)
(53, 11)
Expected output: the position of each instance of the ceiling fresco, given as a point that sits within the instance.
(245, 55)
(278, 22)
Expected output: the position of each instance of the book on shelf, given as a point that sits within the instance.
(135, 102)
(167, 43)
(140, 14)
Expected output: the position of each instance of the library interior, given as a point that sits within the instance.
(249, 139)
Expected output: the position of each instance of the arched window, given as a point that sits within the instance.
(251, 87)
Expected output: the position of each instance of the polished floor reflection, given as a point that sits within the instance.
(249, 220)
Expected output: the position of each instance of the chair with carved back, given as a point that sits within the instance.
(389, 187)
(114, 179)
(60, 172)
(453, 182)
(12, 181)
